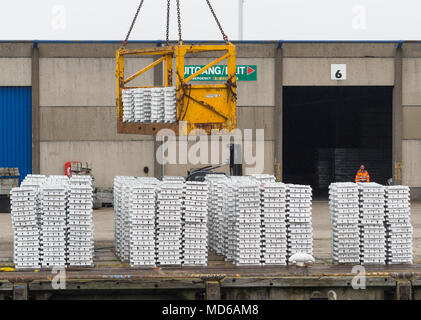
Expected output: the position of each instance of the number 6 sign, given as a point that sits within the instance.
(338, 72)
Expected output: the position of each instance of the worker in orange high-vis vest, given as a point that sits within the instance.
(362, 175)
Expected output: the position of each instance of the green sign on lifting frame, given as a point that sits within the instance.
(219, 73)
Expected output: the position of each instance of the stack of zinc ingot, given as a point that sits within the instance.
(398, 225)
(80, 222)
(35, 181)
(168, 223)
(300, 231)
(344, 211)
(117, 185)
(128, 105)
(273, 228)
(54, 197)
(125, 220)
(194, 218)
(247, 224)
(228, 220)
(26, 241)
(142, 224)
(139, 112)
(372, 231)
(215, 205)
(170, 105)
(157, 105)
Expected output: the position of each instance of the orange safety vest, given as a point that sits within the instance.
(362, 176)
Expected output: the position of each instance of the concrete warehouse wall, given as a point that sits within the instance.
(76, 118)
(411, 117)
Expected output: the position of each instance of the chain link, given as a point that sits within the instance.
(179, 21)
(133, 22)
(224, 36)
(168, 22)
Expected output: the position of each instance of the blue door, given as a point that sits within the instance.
(16, 129)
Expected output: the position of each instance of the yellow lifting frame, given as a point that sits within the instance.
(204, 106)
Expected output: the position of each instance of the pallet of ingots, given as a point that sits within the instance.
(248, 221)
(170, 105)
(125, 221)
(300, 230)
(372, 231)
(194, 224)
(168, 223)
(149, 105)
(128, 105)
(398, 225)
(344, 212)
(142, 201)
(139, 114)
(157, 105)
(215, 208)
(273, 223)
(80, 222)
(54, 197)
(35, 181)
(26, 236)
(120, 242)
(228, 220)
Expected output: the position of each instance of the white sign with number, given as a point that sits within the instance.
(338, 72)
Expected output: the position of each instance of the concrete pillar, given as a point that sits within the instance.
(397, 126)
(20, 291)
(213, 290)
(35, 110)
(278, 127)
(403, 290)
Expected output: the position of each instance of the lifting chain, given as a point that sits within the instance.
(224, 36)
(179, 21)
(132, 25)
(168, 22)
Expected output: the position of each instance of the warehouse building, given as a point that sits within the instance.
(326, 107)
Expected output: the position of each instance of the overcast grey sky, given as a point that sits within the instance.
(263, 19)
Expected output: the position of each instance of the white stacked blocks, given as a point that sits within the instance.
(344, 211)
(169, 224)
(170, 105)
(273, 223)
(299, 222)
(142, 224)
(80, 222)
(128, 105)
(54, 196)
(372, 231)
(247, 223)
(158, 105)
(398, 225)
(26, 237)
(194, 242)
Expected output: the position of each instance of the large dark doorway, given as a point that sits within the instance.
(329, 131)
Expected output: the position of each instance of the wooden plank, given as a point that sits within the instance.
(301, 281)
(123, 284)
